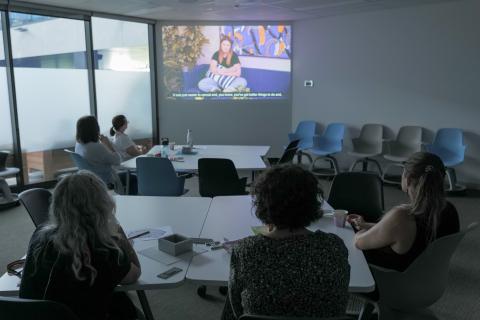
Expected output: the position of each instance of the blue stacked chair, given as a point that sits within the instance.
(326, 145)
(448, 145)
(305, 132)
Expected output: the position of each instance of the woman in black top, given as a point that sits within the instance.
(289, 270)
(224, 73)
(82, 254)
(405, 231)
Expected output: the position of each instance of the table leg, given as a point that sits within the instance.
(127, 183)
(145, 305)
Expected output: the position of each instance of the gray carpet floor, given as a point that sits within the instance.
(460, 301)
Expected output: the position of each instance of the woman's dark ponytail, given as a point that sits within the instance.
(425, 174)
(117, 122)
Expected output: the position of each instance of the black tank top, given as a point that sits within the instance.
(387, 258)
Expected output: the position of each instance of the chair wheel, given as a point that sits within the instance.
(223, 290)
(202, 291)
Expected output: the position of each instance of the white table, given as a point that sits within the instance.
(232, 217)
(244, 157)
(185, 215)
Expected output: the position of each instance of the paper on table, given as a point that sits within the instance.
(162, 257)
(154, 233)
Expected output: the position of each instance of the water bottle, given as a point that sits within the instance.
(163, 152)
(189, 138)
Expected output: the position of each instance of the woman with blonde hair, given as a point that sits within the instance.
(224, 73)
(81, 254)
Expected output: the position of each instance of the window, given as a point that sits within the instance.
(122, 75)
(51, 79)
(6, 141)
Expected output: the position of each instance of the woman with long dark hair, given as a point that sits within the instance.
(405, 231)
(121, 141)
(81, 254)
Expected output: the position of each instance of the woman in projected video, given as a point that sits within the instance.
(225, 70)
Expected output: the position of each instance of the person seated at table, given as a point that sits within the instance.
(122, 142)
(81, 254)
(289, 270)
(406, 230)
(100, 153)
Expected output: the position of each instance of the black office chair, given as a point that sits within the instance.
(37, 202)
(219, 177)
(25, 309)
(258, 317)
(288, 154)
(358, 192)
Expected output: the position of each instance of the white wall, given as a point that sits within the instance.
(412, 66)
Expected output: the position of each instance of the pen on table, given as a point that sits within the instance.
(138, 235)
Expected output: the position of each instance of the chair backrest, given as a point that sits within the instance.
(410, 136)
(293, 144)
(424, 281)
(37, 203)
(287, 156)
(332, 139)
(289, 153)
(358, 192)
(218, 177)
(259, 317)
(409, 141)
(371, 133)
(25, 309)
(450, 139)
(82, 164)
(306, 128)
(335, 131)
(157, 177)
(304, 132)
(370, 140)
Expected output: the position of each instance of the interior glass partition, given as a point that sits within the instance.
(122, 75)
(6, 141)
(51, 80)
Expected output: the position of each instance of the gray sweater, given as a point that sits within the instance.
(100, 158)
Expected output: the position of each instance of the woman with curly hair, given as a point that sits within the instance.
(81, 254)
(289, 270)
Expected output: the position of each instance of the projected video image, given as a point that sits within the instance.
(227, 62)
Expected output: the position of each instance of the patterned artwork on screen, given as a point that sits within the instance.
(260, 41)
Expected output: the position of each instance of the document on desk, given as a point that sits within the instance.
(153, 233)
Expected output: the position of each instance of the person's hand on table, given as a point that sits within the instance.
(358, 221)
